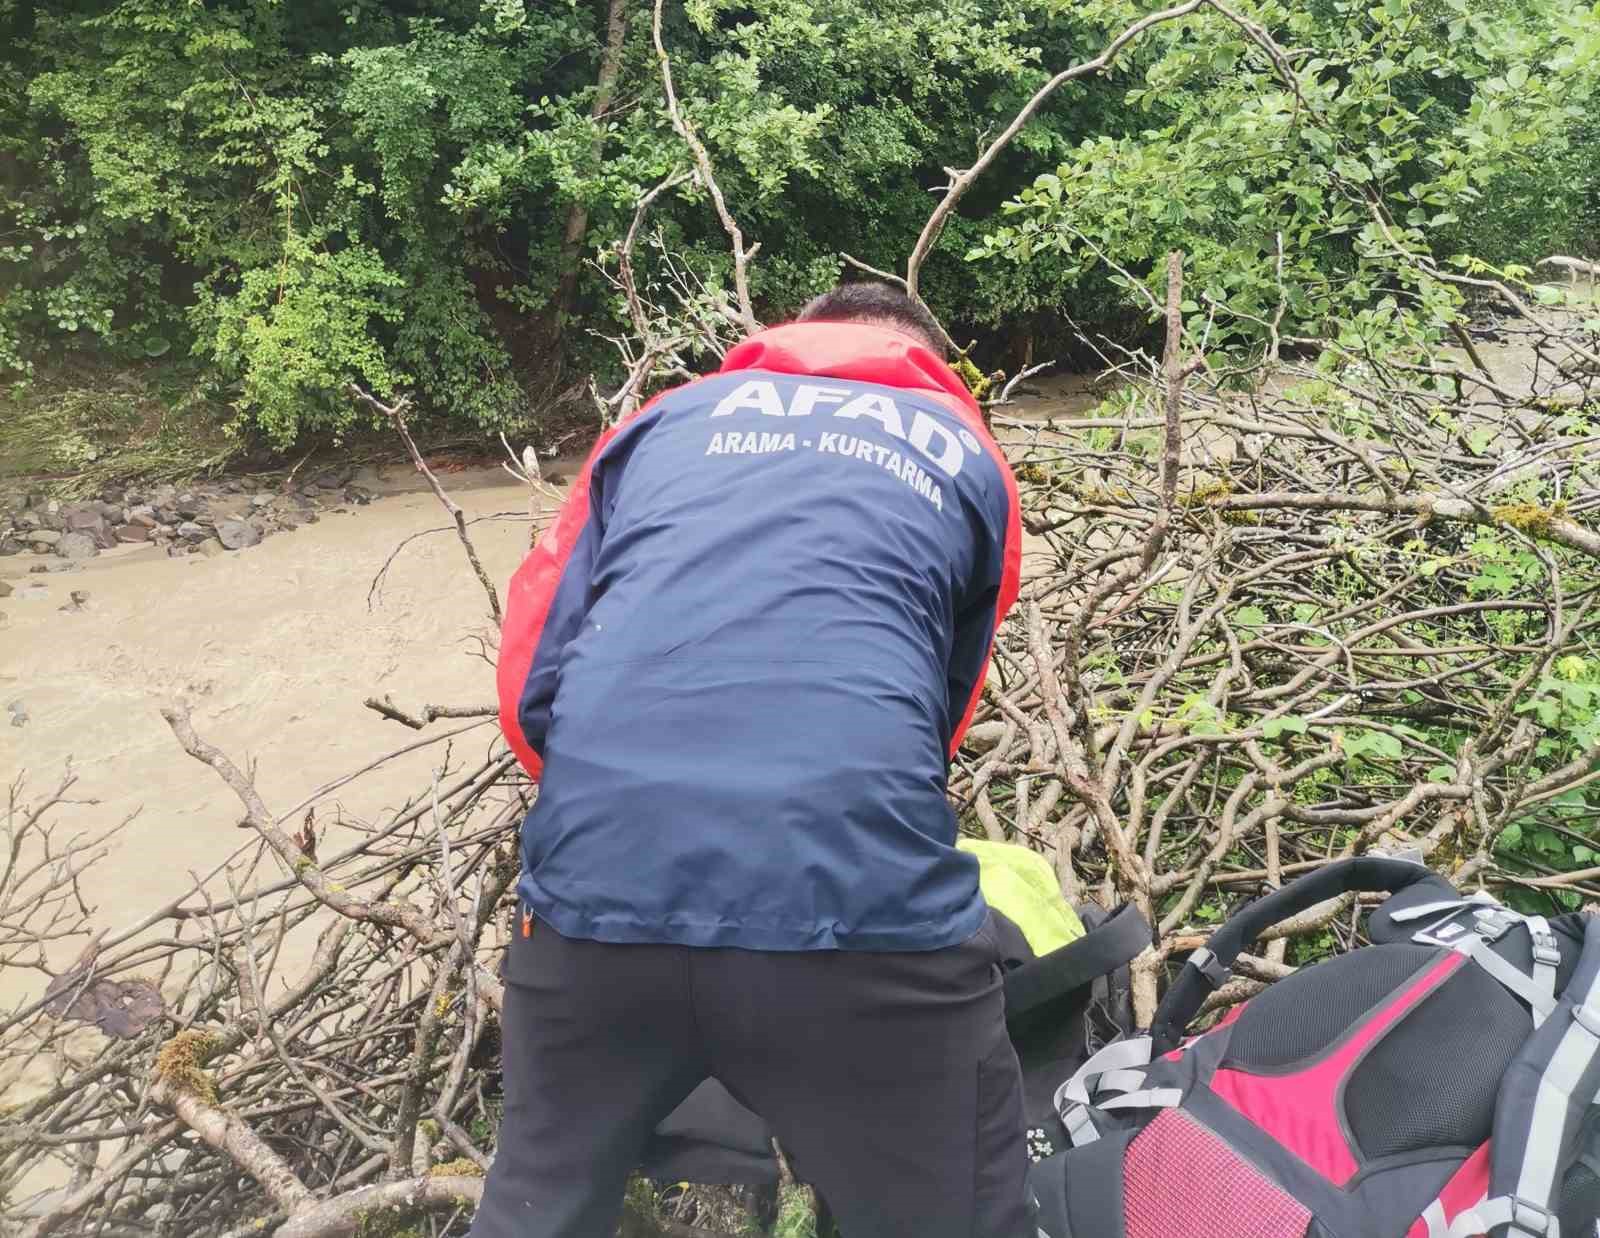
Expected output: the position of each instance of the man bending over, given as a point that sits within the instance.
(738, 664)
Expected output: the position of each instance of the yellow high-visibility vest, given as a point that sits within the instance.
(1021, 885)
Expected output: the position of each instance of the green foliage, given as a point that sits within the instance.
(796, 1217)
(1566, 703)
(293, 334)
(284, 180)
(305, 197)
(1305, 192)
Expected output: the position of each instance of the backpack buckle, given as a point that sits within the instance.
(1079, 1126)
(1210, 967)
(1530, 1218)
(1545, 949)
(1493, 923)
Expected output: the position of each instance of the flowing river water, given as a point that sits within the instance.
(273, 648)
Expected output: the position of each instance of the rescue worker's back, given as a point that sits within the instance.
(761, 636)
(738, 663)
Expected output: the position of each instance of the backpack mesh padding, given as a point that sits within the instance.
(1432, 1080)
(1304, 1013)
(1579, 1205)
(1179, 1180)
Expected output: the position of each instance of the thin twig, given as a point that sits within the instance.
(396, 413)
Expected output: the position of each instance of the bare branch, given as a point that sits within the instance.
(404, 916)
(962, 181)
(430, 713)
(348, 1215)
(708, 178)
(234, 1138)
(630, 287)
(396, 413)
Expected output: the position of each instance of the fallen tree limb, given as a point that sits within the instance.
(1576, 266)
(396, 414)
(962, 181)
(359, 1211)
(405, 916)
(235, 1140)
(707, 175)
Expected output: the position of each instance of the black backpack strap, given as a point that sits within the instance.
(1487, 932)
(1544, 1099)
(1534, 985)
(1118, 940)
(1209, 968)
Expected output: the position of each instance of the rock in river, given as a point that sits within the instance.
(77, 546)
(90, 522)
(237, 534)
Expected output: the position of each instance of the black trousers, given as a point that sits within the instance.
(888, 1077)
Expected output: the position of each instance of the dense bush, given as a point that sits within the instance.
(406, 193)
(1333, 168)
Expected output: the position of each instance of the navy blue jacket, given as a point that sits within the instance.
(740, 659)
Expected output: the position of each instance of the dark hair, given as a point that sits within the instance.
(871, 301)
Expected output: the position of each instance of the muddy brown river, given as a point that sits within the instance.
(273, 648)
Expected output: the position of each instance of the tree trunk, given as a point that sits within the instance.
(578, 215)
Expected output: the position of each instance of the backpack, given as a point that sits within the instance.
(1438, 1083)
(1060, 1007)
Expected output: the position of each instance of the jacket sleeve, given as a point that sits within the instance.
(545, 606)
(550, 595)
(990, 595)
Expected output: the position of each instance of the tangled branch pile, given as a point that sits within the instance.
(185, 1076)
(1272, 615)
(1353, 606)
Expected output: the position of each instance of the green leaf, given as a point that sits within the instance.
(1250, 617)
(1548, 709)
(1274, 727)
(1359, 744)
